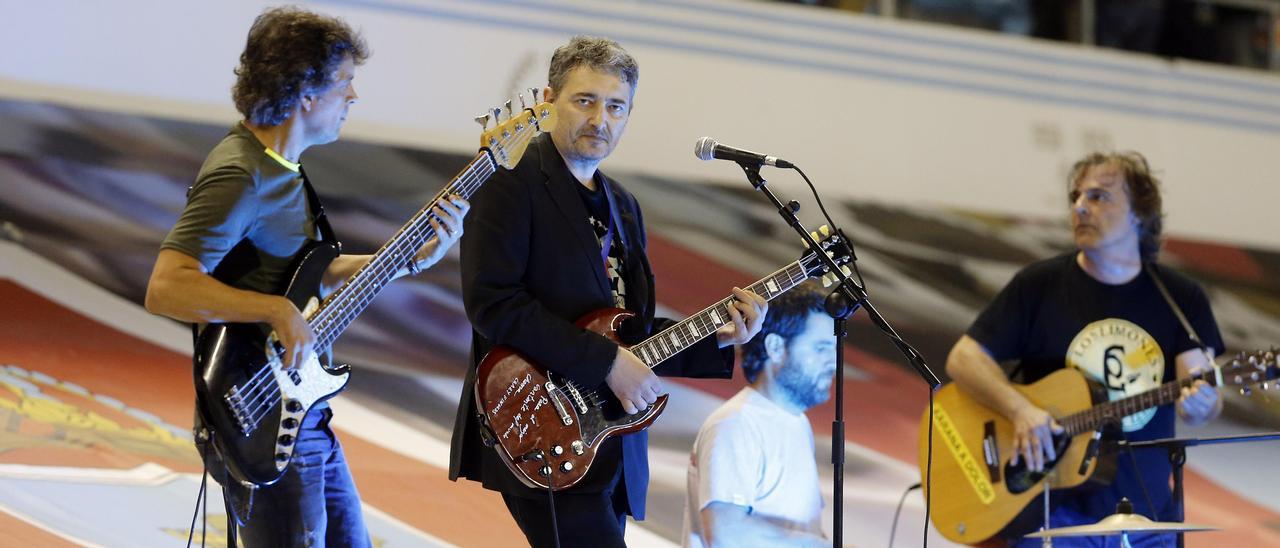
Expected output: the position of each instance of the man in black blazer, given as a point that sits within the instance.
(549, 242)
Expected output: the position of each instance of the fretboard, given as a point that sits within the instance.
(342, 307)
(1095, 417)
(669, 341)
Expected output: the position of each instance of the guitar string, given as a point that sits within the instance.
(258, 389)
(658, 345)
(261, 397)
(1094, 417)
(593, 395)
(420, 228)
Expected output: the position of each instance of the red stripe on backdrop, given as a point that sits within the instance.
(1243, 523)
(1222, 260)
(20, 533)
(42, 336)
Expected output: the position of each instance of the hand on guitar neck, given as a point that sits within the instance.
(446, 220)
(746, 315)
(1199, 403)
(636, 386)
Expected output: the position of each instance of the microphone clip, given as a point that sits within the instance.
(752, 170)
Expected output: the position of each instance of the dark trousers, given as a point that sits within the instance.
(584, 519)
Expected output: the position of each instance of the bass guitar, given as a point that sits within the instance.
(977, 494)
(251, 403)
(547, 428)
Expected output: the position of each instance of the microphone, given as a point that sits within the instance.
(707, 149)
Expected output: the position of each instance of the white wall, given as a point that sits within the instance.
(872, 109)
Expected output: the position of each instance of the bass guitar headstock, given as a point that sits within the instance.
(835, 247)
(508, 139)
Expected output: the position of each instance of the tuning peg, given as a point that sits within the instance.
(845, 269)
(533, 92)
(508, 105)
(497, 114)
(522, 103)
(828, 280)
(483, 120)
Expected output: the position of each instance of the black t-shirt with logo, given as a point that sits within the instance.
(1054, 315)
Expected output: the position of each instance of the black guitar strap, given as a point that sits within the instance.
(317, 212)
(1150, 268)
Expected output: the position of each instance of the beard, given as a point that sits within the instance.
(804, 388)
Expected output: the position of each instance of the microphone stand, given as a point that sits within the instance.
(1177, 448)
(842, 303)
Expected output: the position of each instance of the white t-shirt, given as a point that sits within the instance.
(753, 453)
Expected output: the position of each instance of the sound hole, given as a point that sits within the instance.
(1018, 478)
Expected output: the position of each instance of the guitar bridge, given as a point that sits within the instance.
(565, 417)
(235, 403)
(991, 451)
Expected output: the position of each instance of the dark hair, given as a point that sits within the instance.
(601, 54)
(290, 53)
(1142, 187)
(787, 316)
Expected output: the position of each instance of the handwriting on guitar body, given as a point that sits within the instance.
(517, 385)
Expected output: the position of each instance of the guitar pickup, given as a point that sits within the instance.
(991, 450)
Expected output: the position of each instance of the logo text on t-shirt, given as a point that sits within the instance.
(1123, 357)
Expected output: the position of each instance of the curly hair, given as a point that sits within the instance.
(600, 54)
(1142, 187)
(290, 53)
(788, 314)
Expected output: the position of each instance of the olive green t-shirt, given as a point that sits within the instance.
(246, 217)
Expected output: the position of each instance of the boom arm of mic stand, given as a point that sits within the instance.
(855, 293)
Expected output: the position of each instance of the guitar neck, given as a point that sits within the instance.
(1095, 417)
(672, 340)
(342, 307)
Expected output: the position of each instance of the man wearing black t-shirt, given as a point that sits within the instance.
(249, 216)
(1098, 310)
(548, 242)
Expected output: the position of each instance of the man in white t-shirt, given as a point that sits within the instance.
(753, 476)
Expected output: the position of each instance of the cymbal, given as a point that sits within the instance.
(1116, 524)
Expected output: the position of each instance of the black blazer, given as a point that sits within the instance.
(530, 267)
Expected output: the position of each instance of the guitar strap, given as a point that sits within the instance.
(317, 212)
(1150, 268)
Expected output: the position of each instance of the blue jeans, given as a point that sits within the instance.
(315, 503)
(1065, 517)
